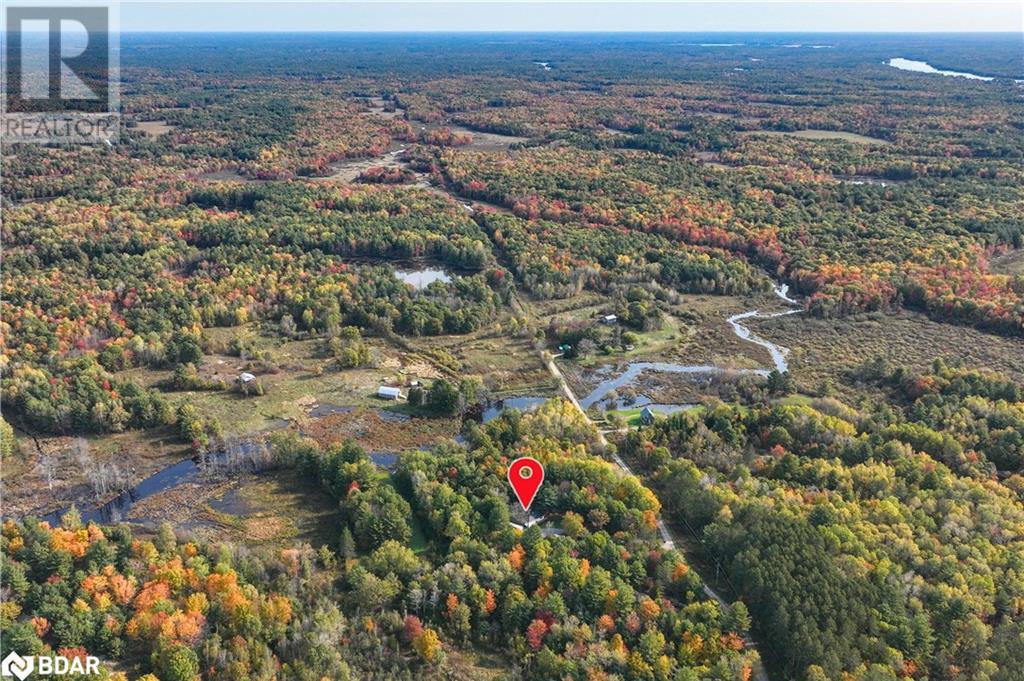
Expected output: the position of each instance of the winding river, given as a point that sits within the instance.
(777, 352)
(191, 470)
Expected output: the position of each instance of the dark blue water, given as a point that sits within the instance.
(189, 470)
(524, 403)
(387, 460)
(118, 508)
(643, 401)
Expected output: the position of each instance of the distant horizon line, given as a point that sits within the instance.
(561, 32)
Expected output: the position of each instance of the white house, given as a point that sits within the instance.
(388, 393)
(609, 319)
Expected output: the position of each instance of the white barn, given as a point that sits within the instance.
(388, 393)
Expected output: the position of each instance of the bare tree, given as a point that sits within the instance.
(47, 467)
(103, 476)
(586, 347)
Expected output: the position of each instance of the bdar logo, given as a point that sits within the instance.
(16, 665)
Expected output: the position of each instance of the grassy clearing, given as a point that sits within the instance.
(631, 417)
(154, 128)
(823, 135)
(477, 665)
(795, 401)
(1009, 263)
(298, 506)
(278, 509)
(375, 433)
(649, 343)
(418, 542)
(672, 332)
(823, 350)
(504, 362)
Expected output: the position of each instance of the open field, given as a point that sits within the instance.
(487, 141)
(154, 128)
(1008, 263)
(710, 159)
(649, 343)
(350, 169)
(376, 431)
(822, 135)
(477, 665)
(378, 107)
(824, 349)
(505, 363)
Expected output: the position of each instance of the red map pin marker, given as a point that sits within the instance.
(525, 475)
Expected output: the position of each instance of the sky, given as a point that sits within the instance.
(524, 15)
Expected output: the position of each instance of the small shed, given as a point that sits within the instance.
(245, 378)
(609, 319)
(388, 393)
(646, 416)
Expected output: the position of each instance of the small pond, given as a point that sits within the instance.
(522, 403)
(634, 402)
(633, 371)
(323, 409)
(387, 460)
(421, 278)
(866, 179)
(118, 508)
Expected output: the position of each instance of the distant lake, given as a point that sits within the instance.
(422, 278)
(925, 67)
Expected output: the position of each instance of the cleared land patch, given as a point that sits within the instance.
(822, 135)
(825, 349)
(154, 128)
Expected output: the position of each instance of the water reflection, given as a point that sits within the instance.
(422, 278)
(925, 67)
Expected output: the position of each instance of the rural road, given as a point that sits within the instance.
(778, 353)
(668, 542)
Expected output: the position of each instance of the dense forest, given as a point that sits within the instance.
(598, 596)
(99, 288)
(242, 255)
(883, 537)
